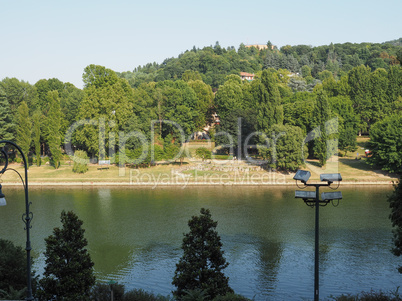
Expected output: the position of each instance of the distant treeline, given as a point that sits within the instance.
(214, 63)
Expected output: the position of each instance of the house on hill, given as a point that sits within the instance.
(260, 46)
(246, 76)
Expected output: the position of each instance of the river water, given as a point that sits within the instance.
(135, 234)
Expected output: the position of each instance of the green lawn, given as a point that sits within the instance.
(351, 167)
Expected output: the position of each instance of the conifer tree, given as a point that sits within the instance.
(6, 118)
(201, 266)
(53, 127)
(321, 115)
(37, 116)
(69, 272)
(269, 108)
(24, 125)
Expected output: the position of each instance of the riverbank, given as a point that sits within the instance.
(197, 173)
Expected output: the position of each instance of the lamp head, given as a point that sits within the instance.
(331, 177)
(302, 175)
(301, 194)
(329, 196)
(2, 198)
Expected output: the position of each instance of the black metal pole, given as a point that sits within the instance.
(27, 217)
(317, 245)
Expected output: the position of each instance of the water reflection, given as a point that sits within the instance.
(135, 236)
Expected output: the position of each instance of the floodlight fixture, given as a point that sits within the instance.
(331, 177)
(329, 196)
(302, 175)
(305, 194)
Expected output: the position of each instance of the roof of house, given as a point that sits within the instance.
(246, 74)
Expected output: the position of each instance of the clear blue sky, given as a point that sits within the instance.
(46, 39)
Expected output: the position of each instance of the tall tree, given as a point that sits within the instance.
(359, 80)
(24, 127)
(13, 268)
(229, 96)
(395, 203)
(69, 269)
(205, 98)
(386, 144)
(6, 118)
(201, 266)
(37, 133)
(269, 108)
(53, 127)
(286, 150)
(108, 102)
(321, 115)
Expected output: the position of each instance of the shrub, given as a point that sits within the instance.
(12, 270)
(80, 162)
(231, 297)
(203, 153)
(141, 295)
(101, 292)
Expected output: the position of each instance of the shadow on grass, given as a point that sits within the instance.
(315, 163)
(357, 164)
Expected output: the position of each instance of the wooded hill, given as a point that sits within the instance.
(295, 90)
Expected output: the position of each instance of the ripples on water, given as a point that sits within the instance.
(268, 236)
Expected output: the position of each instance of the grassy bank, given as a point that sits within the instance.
(352, 167)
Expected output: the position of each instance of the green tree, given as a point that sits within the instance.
(81, 161)
(386, 144)
(190, 75)
(13, 269)
(348, 122)
(201, 266)
(203, 153)
(53, 127)
(17, 91)
(37, 132)
(24, 127)
(68, 272)
(269, 108)
(395, 203)
(108, 102)
(43, 87)
(98, 76)
(359, 80)
(321, 114)
(286, 149)
(205, 100)
(229, 96)
(6, 118)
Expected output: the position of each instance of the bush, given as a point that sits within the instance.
(141, 295)
(80, 162)
(231, 297)
(101, 292)
(203, 153)
(12, 269)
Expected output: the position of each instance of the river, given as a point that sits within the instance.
(135, 234)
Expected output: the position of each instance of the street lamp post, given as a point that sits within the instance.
(312, 199)
(27, 216)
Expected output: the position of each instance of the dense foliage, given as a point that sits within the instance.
(13, 271)
(69, 269)
(214, 63)
(147, 114)
(81, 161)
(395, 203)
(201, 266)
(386, 144)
